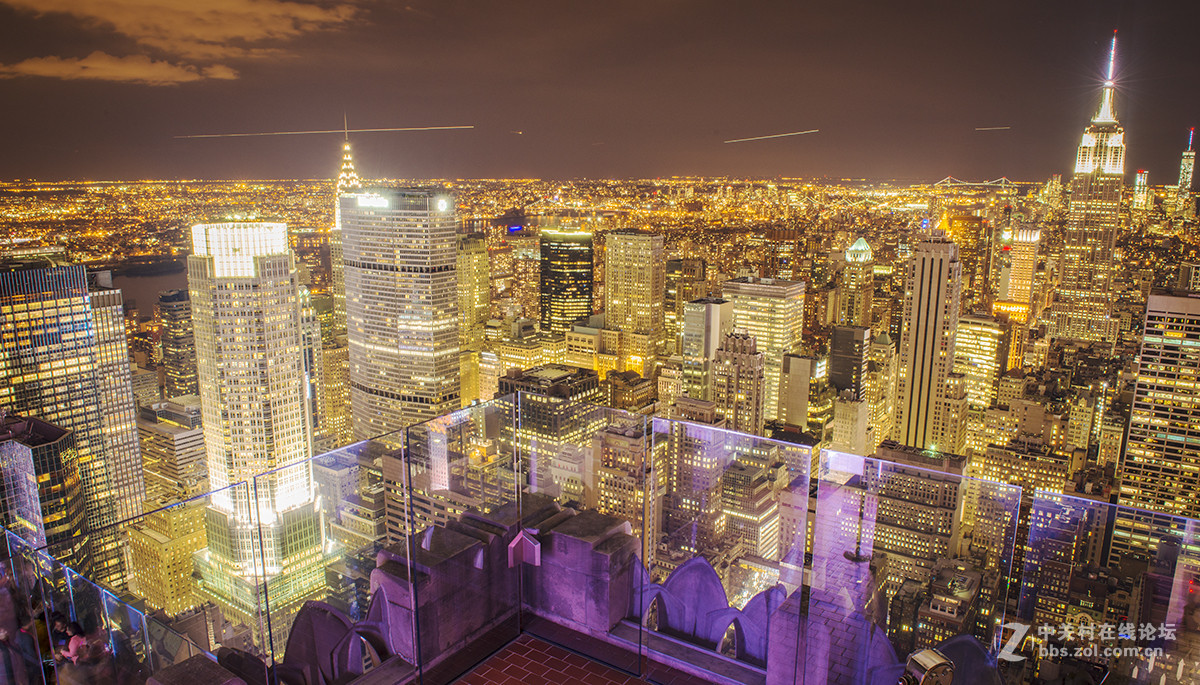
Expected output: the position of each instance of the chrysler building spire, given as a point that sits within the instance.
(347, 180)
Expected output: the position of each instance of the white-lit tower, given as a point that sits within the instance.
(348, 183)
(246, 314)
(1141, 191)
(1083, 304)
(1183, 192)
(401, 261)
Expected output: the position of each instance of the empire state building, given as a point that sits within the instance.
(1083, 305)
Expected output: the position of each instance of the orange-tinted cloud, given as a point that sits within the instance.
(196, 34)
(100, 66)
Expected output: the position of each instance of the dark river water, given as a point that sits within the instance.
(144, 290)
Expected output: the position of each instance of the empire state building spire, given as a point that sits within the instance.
(1106, 113)
(347, 178)
(1102, 147)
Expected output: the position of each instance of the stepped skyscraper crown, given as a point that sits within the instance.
(1103, 145)
(348, 180)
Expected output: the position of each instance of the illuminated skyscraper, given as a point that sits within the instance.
(1141, 191)
(881, 385)
(474, 298)
(566, 275)
(335, 351)
(558, 413)
(634, 297)
(706, 322)
(178, 344)
(1183, 192)
(348, 183)
(685, 282)
(967, 232)
(323, 437)
(858, 286)
(1160, 470)
(246, 314)
(806, 398)
(336, 360)
(1023, 258)
(979, 356)
(630, 481)
(751, 508)
(41, 495)
(738, 383)
(785, 253)
(849, 349)
(118, 408)
(773, 312)
(1083, 305)
(173, 449)
(695, 461)
(401, 306)
(164, 543)
(47, 374)
(931, 309)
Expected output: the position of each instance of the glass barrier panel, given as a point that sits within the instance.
(454, 494)
(125, 640)
(25, 616)
(907, 554)
(174, 581)
(592, 482)
(1108, 592)
(169, 645)
(721, 592)
(322, 531)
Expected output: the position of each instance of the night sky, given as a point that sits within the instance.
(95, 89)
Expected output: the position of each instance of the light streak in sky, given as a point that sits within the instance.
(339, 130)
(992, 128)
(777, 135)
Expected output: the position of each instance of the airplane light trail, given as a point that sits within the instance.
(777, 135)
(992, 128)
(339, 130)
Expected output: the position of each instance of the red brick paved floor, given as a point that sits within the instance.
(529, 661)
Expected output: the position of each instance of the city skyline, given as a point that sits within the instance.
(774, 420)
(558, 94)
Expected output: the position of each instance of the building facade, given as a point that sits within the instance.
(246, 314)
(931, 309)
(773, 312)
(1083, 303)
(566, 278)
(178, 343)
(634, 297)
(401, 306)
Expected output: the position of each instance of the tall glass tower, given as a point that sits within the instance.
(567, 273)
(1083, 306)
(178, 344)
(1160, 469)
(401, 257)
(55, 344)
(1183, 192)
(246, 313)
